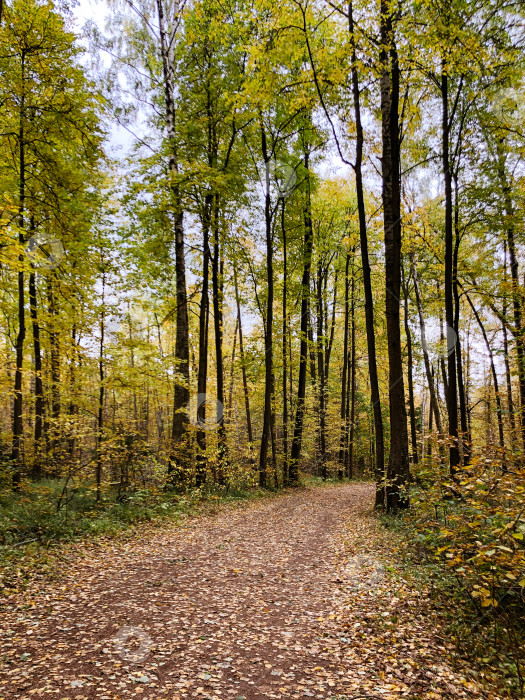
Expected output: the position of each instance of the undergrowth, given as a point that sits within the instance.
(465, 539)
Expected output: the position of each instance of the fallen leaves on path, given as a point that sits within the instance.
(288, 598)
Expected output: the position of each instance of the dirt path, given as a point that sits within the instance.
(287, 598)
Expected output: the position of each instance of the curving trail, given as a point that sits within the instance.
(284, 598)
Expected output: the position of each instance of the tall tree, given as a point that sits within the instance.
(398, 465)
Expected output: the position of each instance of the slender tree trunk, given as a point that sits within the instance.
(343, 414)
(285, 335)
(499, 411)
(429, 372)
(467, 388)
(514, 274)
(351, 449)
(39, 388)
(508, 377)
(54, 342)
(182, 379)
(398, 466)
(218, 328)
(73, 407)
(441, 361)
(200, 472)
(311, 348)
(457, 308)
(411, 405)
(18, 420)
(273, 436)
(268, 328)
(101, 394)
(347, 411)
(367, 283)
(243, 361)
(452, 398)
(321, 323)
(232, 370)
(293, 468)
(331, 334)
(430, 426)
(179, 462)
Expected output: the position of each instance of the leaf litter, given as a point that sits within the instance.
(295, 597)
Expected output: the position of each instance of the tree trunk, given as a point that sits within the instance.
(434, 407)
(321, 323)
(232, 370)
(18, 420)
(452, 399)
(499, 411)
(54, 342)
(293, 468)
(219, 362)
(179, 462)
(343, 413)
(459, 360)
(350, 468)
(101, 395)
(411, 405)
(39, 388)
(508, 377)
(285, 335)
(268, 326)
(73, 406)
(243, 361)
(367, 283)
(200, 472)
(514, 274)
(441, 360)
(430, 426)
(398, 466)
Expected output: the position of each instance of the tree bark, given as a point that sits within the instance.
(218, 328)
(200, 472)
(321, 390)
(514, 274)
(452, 398)
(293, 468)
(179, 460)
(232, 370)
(284, 348)
(499, 411)
(367, 283)
(268, 326)
(465, 445)
(54, 342)
(243, 361)
(101, 395)
(434, 407)
(412, 410)
(430, 426)
(398, 466)
(39, 387)
(508, 377)
(343, 413)
(18, 421)
(352, 388)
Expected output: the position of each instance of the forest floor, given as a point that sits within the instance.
(291, 597)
